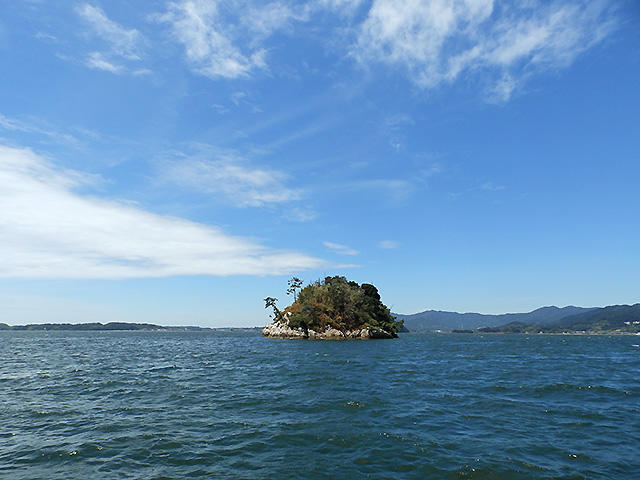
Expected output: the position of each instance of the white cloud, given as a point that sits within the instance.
(97, 61)
(122, 41)
(237, 97)
(123, 44)
(437, 41)
(340, 249)
(491, 187)
(141, 72)
(35, 126)
(221, 109)
(428, 172)
(209, 41)
(501, 91)
(47, 230)
(228, 176)
(398, 121)
(345, 8)
(392, 189)
(388, 244)
(226, 39)
(297, 214)
(264, 20)
(46, 36)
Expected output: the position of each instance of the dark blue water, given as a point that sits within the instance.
(153, 405)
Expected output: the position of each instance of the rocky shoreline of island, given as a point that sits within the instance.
(281, 329)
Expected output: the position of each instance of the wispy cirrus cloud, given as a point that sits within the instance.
(209, 48)
(437, 42)
(228, 39)
(48, 230)
(300, 214)
(344, 7)
(224, 39)
(123, 41)
(340, 249)
(491, 187)
(388, 244)
(39, 128)
(263, 20)
(498, 44)
(123, 44)
(393, 189)
(97, 61)
(230, 177)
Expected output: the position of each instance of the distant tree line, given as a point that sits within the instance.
(93, 326)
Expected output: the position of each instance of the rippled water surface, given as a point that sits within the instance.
(156, 405)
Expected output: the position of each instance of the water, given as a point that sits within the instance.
(157, 405)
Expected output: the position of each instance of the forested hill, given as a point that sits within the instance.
(431, 320)
(608, 318)
(614, 318)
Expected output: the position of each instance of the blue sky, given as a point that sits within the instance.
(177, 161)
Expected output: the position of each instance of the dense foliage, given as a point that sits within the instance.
(340, 304)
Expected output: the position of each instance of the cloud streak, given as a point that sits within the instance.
(340, 249)
(228, 176)
(226, 39)
(34, 127)
(123, 43)
(97, 61)
(437, 42)
(498, 45)
(211, 46)
(47, 230)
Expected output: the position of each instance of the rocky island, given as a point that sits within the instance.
(332, 309)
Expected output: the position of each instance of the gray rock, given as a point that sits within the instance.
(281, 329)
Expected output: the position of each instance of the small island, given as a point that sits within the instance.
(334, 309)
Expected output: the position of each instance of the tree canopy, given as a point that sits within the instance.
(341, 304)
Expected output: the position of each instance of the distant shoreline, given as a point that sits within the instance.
(116, 327)
(258, 330)
(525, 333)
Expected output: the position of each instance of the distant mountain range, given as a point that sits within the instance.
(614, 318)
(431, 320)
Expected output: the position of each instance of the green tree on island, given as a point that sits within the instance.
(271, 302)
(294, 284)
(336, 303)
